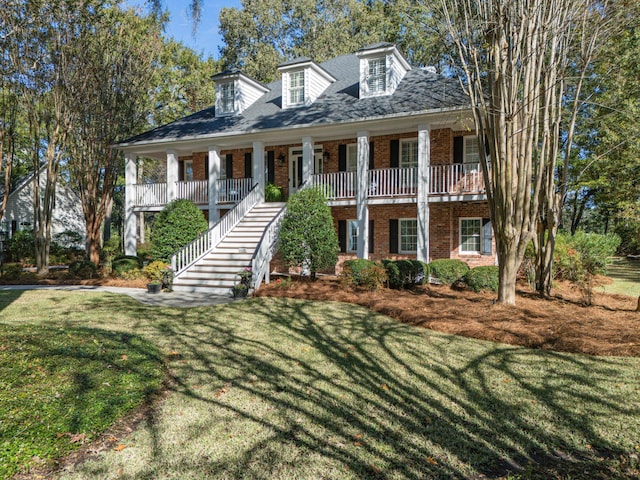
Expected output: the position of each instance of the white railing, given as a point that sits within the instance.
(212, 237)
(149, 194)
(261, 260)
(457, 179)
(393, 182)
(232, 190)
(335, 185)
(196, 190)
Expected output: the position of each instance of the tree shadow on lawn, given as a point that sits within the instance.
(338, 391)
(7, 297)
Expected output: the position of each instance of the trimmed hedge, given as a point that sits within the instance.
(482, 278)
(448, 270)
(363, 274)
(125, 263)
(177, 225)
(406, 273)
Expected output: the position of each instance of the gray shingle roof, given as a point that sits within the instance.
(419, 90)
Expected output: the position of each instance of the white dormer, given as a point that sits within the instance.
(303, 81)
(382, 67)
(235, 92)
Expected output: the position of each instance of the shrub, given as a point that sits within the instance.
(482, 278)
(272, 193)
(82, 269)
(363, 274)
(125, 263)
(406, 273)
(155, 271)
(307, 237)
(21, 246)
(448, 270)
(178, 224)
(12, 272)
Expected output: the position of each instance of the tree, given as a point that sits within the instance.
(515, 57)
(114, 53)
(307, 236)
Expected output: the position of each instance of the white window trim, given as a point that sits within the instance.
(350, 148)
(467, 139)
(404, 141)
(400, 220)
(371, 92)
(302, 88)
(469, 252)
(351, 222)
(224, 98)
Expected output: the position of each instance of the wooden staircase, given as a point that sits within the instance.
(217, 272)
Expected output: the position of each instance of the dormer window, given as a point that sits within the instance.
(296, 88)
(377, 77)
(227, 97)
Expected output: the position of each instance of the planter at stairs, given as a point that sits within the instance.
(240, 291)
(154, 287)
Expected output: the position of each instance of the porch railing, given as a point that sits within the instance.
(456, 179)
(335, 185)
(207, 241)
(393, 182)
(232, 190)
(196, 190)
(150, 194)
(265, 250)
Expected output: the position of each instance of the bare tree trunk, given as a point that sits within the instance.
(106, 231)
(638, 307)
(508, 264)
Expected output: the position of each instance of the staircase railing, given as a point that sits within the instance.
(210, 239)
(265, 250)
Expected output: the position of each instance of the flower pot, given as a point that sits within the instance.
(240, 291)
(154, 287)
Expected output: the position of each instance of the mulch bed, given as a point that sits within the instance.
(610, 326)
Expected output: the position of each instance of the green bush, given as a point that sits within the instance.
(307, 236)
(21, 246)
(12, 271)
(272, 193)
(482, 278)
(583, 254)
(82, 269)
(448, 270)
(125, 263)
(406, 273)
(155, 271)
(177, 225)
(363, 274)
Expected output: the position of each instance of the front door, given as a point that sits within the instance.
(295, 167)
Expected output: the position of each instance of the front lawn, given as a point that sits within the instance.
(625, 276)
(282, 389)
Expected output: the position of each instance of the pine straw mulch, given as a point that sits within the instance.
(610, 326)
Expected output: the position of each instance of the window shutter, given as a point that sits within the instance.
(458, 149)
(487, 233)
(271, 167)
(371, 167)
(229, 165)
(247, 165)
(342, 157)
(181, 170)
(393, 235)
(371, 236)
(206, 166)
(395, 154)
(342, 235)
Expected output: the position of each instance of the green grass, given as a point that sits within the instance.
(626, 277)
(286, 389)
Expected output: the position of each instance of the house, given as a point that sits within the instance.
(67, 212)
(392, 146)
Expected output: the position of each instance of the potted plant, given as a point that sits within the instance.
(241, 289)
(155, 272)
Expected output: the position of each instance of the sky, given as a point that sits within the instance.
(206, 39)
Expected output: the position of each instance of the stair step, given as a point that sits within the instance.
(221, 291)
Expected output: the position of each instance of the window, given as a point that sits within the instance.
(296, 88)
(409, 153)
(408, 234)
(352, 157)
(471, 158)
(227, 97)
(187, 174)
(470, 231)
(377, 75)
(352, 235)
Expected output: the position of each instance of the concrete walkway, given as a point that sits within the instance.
(163, 299)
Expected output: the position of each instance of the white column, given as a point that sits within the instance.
(362, 179)
(258, 166)
(172, 174)
(424, 174)
(307, 158)
(214, 188)
(130, 219)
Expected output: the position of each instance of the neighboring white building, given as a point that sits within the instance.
(67, 210)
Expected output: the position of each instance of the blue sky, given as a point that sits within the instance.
(206, 39)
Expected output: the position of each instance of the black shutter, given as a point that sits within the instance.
(271, 167)
(206, 166)
(181, 170)
(342, 157)
(393, 235)
(229, 165)
(458, 149)
(342, 235)
(247, 165)
(487, 234)
(371, 236)
(395, 154)
(371, 167)
(299, 171)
